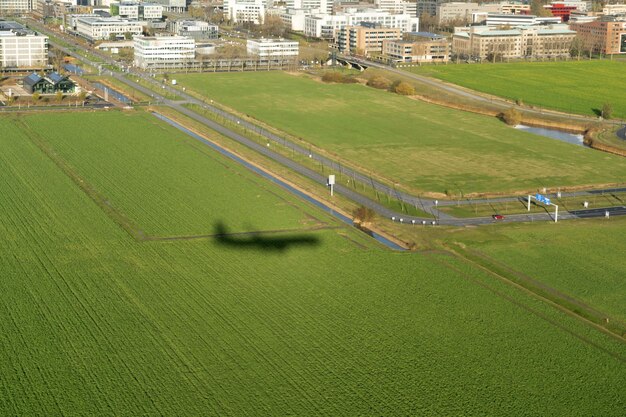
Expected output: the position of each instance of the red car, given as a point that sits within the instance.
(497, 217)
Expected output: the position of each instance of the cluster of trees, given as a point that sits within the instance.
(399, 87)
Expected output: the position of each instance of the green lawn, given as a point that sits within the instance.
(574, 87)
(421, 146)
(581, 258)
(95, 322)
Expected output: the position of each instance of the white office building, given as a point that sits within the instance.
(397, 6)
(172, 5)
(322, 6)
(23, 50)
(137, 11)
(8, 7)
(97, 28)
(494, 19)
(197, 29)
(163, 51)
(272, 48)
(245, 10)
(325, 26)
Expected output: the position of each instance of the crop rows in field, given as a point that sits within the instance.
(129, 170)
(96, 323)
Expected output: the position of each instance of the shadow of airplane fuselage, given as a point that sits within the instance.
(261, 240)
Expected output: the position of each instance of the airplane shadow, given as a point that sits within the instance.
(264, 241)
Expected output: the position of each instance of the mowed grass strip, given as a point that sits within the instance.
(573, 87)
(421, 146)
(95, 323)
(167, 183)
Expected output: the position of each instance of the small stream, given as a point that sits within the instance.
(277, 181)
(553, 134)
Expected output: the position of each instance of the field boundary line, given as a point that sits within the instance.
(531, 310)
(99, 199)
(555, 303)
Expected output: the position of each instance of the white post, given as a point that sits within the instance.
(331, 190)
(556, 213)
(529, 202)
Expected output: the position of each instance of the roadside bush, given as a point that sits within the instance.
(378, 81)
(347, 79)
(332, 77)
(404, 89)
(363, 214)
(511, 117)
(607, 110)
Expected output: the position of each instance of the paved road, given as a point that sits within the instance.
(426, 205)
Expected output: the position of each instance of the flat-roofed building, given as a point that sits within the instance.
(197, 29)
(500, 19)
(22, 48)
(365, 39)
(269, 48)
(326, 26)
(485, 42)
(606, 35)
(163, 51)
(9, 7)
(97, 28)
(421, 47)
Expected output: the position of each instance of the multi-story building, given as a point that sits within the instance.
(606, 35)
(245, 10)
(427, 6)
(322, 6)
(326, 26)
(10, 7)
(365, 39)
(272, 48)
(496, 19)
(97, 28)
(613, 9)
(163, 51)
(135, 10)
(422, 47)
(22, 48)
(456, 11)
(172, 5)
(563, 9)
(294, 18)
(397, 6)
(487, 42)
(196, 29)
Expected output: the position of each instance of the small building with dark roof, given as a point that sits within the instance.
(36, 84)
(61, 83)
(50, 84)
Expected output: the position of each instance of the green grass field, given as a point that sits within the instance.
(573, 87)
(98, 323)
(568, 256)
(421, 146)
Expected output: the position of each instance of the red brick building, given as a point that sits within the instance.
(606, 35)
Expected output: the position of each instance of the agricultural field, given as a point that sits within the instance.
(574, 87)
(567, 256)
(98, 322)
(422, 147)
